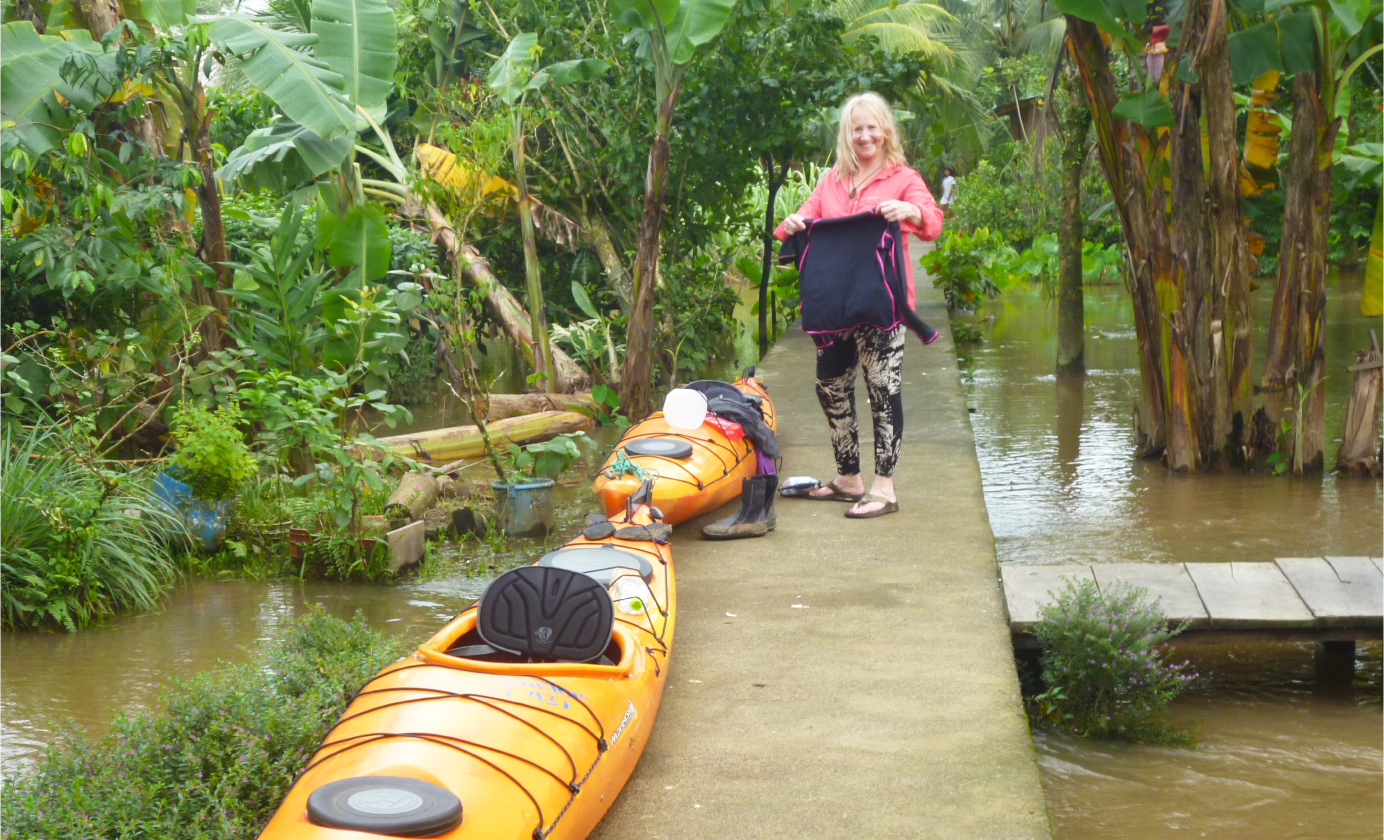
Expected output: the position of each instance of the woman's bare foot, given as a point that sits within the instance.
(882, 486)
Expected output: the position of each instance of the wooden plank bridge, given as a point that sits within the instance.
(1332, 600)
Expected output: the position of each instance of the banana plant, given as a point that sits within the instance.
(331, 86)
(513, 76)
(666, 34)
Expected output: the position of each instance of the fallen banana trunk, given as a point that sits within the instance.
(443, 446)
(513, 318)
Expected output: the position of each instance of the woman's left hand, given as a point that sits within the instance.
(899, 211)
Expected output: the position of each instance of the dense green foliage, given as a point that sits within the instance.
(964, 266)
(1103, 663)
(194, 220)
(216, 754)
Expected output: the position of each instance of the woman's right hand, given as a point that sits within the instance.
(794, 223)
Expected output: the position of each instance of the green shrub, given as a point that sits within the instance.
(548, 459)
(212, 457)
(215, 756)
(1103, 664)
(1000, 199)
(77, 542)
(966, 266)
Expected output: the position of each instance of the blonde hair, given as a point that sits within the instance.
(847, 165)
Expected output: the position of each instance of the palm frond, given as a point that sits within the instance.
(910, 27)
(1044, 38)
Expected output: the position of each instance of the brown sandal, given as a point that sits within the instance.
(837, 494)
(889, 507)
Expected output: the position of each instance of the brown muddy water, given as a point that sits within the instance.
(1275, 756)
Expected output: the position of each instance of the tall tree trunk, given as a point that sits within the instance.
(767, 317)
(636, 375)
(1187, 249)
(100, 16)
(1232, 328)
(1141, 220)
(533, 283)
(213, 245)
(1189, 397)
(1295, 366)
(1071, 305)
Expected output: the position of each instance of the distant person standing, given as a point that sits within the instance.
(948, 189)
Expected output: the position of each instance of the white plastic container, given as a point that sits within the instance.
(631, 594)
(684, 408)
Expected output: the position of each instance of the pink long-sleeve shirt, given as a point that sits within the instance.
(831, 198)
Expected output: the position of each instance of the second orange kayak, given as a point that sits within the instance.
(686, 487)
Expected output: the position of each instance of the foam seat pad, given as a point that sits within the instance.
(599, 564)
(398, 806)
(663, 447)
(547, 613)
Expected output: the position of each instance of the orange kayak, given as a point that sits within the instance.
(511, 749)
(686, 487)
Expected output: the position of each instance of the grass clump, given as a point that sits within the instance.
(1103, 663)
(81, 538)
(215, 756)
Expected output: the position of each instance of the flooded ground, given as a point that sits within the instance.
(1275, 757)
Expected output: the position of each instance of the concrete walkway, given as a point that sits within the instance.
(886, 704)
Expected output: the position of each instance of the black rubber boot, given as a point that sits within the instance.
(756, 515)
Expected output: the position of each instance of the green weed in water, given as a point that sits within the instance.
(1104, 667)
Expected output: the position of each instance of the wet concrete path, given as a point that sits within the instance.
(841, 678)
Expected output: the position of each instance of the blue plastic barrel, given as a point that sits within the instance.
(205, 521)
(524, 508)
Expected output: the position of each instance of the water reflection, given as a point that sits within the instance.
(1070, 398)
(1067, 489)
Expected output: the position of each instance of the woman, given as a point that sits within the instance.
(870, 175)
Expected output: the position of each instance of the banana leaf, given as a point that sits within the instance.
(358, 42)
(306, 90)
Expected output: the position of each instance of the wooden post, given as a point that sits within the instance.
(1335, 664)
(1359, 452)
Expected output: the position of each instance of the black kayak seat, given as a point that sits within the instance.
(601, 564)
(547, 613)
(662, 447)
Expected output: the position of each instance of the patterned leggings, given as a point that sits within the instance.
(881, 354)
